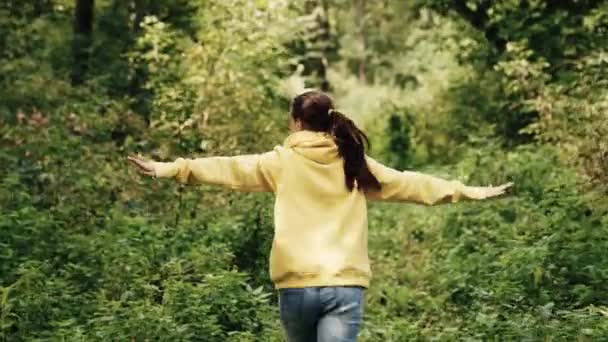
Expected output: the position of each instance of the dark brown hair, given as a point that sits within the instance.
(316, 111)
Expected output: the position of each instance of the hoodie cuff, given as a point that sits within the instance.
(166, 170)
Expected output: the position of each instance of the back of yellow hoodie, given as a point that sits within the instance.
(320, 236)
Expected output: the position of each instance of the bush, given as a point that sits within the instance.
(523, 268)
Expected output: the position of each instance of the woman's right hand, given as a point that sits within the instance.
(145, 167)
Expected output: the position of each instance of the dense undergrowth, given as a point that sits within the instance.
(90, 251)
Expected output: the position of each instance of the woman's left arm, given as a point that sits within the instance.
(409, 186)
(252, 172)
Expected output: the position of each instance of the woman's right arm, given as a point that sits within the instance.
(409, 186)
(253, 172)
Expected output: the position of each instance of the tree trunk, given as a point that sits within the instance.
(140, 10)
(362, 70)
(41, 7)
(319, 43)
(83, 39)
(325, 45)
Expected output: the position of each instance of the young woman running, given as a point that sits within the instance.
(322, 180)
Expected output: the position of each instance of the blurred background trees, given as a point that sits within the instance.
(480, 91)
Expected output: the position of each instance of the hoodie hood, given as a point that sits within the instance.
(316, 146)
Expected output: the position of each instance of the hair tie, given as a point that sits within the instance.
(330, 111)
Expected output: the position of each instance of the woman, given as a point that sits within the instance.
(322, 179)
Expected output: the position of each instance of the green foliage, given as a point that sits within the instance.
(522, 268)
(548, 59)
(399, 142)
(480, 91)
(81, 262)
(393, 139)
(90, 251)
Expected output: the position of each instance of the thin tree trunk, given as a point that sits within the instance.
(319, 42)
(362, 70)
(41, 7)
(83, 39)
(139, 7)
(325, 44)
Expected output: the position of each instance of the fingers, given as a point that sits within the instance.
(503, 188)
(135, 160)
(498, 190)
(143, 167)
(147, 173)
(506, 185)
(141, 164)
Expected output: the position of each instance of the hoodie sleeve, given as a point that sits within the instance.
(253, 172)
(409, 186)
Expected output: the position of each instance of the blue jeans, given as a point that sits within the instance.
(322, 314)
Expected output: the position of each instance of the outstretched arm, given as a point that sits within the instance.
(253, 172)
(425, 189)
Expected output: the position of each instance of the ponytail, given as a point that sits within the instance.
(315, 110)
(352, 142)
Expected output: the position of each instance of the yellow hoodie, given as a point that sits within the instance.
(320, 236)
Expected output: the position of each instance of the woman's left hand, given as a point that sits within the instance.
(145, 167)
(484, 192)
(494, 191)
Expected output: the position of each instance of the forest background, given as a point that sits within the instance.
(476, 90)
